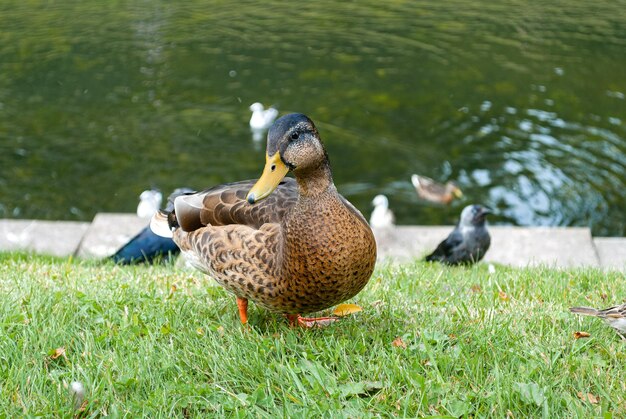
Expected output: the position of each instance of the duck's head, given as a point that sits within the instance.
(474, 215)
(256, 106)
(151, 195)
(380, 201)
(293, 143)
(452, 188)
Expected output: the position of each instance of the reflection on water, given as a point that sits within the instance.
(523, 104)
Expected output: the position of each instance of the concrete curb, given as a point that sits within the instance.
(107, 233)
(561, 247)
(58, 238)
(516, 246)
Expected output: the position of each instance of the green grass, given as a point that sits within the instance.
(477, 345)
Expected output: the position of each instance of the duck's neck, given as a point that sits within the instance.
(315, 182)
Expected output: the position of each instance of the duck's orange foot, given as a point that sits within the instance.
(295, 320)
(242, 305)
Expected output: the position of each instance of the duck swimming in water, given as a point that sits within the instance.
(432, 191)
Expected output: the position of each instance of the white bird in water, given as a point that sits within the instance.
(149, 203)
(382, 216)
(261, 119)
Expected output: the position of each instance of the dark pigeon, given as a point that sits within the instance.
(468, 242)
(147, 247)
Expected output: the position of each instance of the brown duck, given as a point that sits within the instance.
(291, 246)
(432, 191)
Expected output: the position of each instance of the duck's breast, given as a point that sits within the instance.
(329, 257)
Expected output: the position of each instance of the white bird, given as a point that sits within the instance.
(23, 237)
(261, 118)
(382, 216)
(77, 392)
(149, 203)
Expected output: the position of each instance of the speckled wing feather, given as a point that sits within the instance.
(226, 205)
(611, 312)
(617, 312)
(613, 316)
(242, 259)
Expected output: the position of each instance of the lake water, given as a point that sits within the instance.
(521, 102)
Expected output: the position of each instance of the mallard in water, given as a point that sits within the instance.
(613, 316)
(432, 191)
(468, 242)
(382, 216)
(291, 246)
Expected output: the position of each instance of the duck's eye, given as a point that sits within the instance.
(295, 136)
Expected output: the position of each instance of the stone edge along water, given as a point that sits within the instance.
(560, 247)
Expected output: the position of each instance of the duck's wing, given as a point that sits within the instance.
(428, 189)
(169, 207)
(226, 205)
(423, 182)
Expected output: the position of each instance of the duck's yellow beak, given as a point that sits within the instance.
(274, 171)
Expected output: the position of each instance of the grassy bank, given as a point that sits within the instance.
(431, 341)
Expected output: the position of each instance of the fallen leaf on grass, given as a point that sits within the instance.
(398, 343)
(476, 288)
(361, 388)
(503, 296)
(376, 303)
(83, 406)
(346, 309)
(588, 397)
(579, 335)
(172, 291)
(58, 352)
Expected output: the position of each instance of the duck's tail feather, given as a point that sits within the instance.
(163, 223)
(415, 180)
(586, 311)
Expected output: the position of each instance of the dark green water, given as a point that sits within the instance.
(521, 102)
